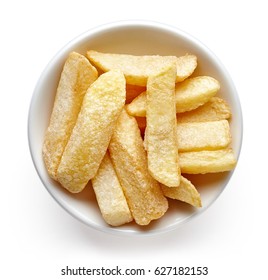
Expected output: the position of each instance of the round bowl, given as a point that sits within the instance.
(140, 38)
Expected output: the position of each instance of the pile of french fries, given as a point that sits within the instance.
(133, 126)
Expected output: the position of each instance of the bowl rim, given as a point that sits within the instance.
(127, 24)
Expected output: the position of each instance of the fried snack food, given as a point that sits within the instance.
(77, 75)
(194, 92)
(190, 94)
(137, 69)
(202, 162)
(203, 135)
(161, 129)
(214, 110)
(185, 192)
(143, 193)
(97, 123)
(109, 194)
(197, 136)
(91, 135)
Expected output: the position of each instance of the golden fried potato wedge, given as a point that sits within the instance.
(203, 135)
(199, 136)
(143, 193)
(161, 129)
(186, 65)
(194, 92)
(207, 161)
(137, 69)
(214, 110)
(185, 192)
(126, 149)
(77, 75)
(137, 107)
(91, 135)
(190, 94)
(110, 197)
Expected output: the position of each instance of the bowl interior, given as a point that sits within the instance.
(133, 38)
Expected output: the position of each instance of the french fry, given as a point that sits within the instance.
(127, 151)
(195, 92)
(109, 194)
(185, 192)
(202, 162)
(91, 135)
(214, 110)
(190, 94)
(77, 75)
(203, 135)
(161, 135)
(185, 66)
(137, 69)
(143, 193)
(199, 136)
(137, 107)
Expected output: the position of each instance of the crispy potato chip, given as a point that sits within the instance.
(203, 135)
(143, 193)
(185, 192)
(91, 135)
(190, 94)
(137, 69)
(161, 129)
(207, 161)
(77, 75)
(109, 194)
(214, 110)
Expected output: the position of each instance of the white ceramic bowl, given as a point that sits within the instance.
(134, 37)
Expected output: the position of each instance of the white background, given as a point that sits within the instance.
(38, 238)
